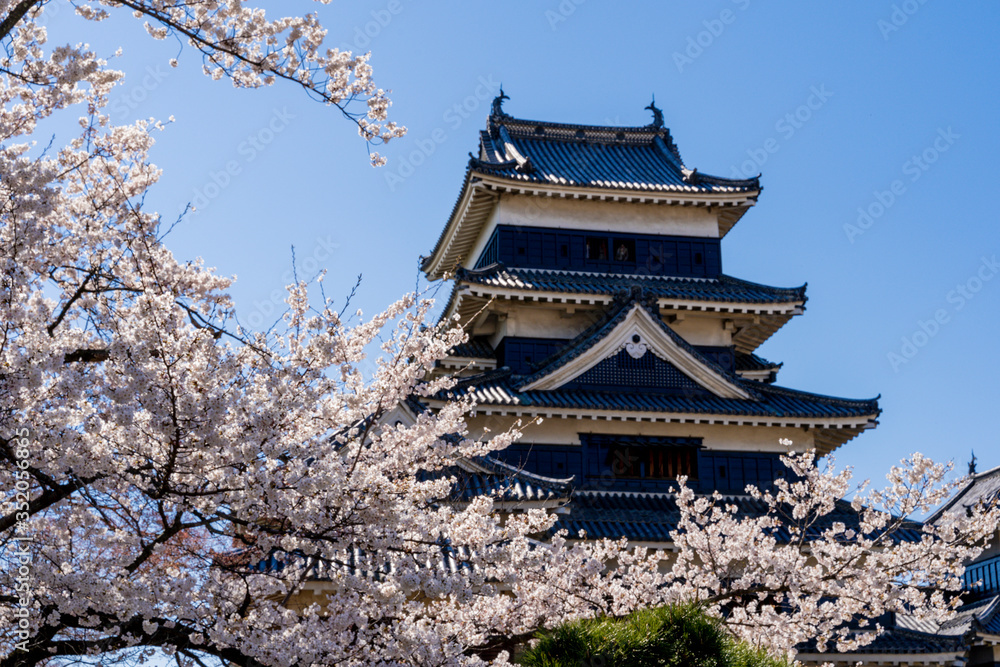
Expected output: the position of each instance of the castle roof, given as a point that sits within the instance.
(981, 489)
(504, 483)
(642, 158)
(723, 289)
(772, 306)
(705, 392)
(614, 163)
(836, 420)
(650, 517)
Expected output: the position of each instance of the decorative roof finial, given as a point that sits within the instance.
(498, 103)
(972, 463)
(657, 113)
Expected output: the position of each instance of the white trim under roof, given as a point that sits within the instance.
(481, 192)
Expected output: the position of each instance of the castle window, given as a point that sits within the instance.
(625, 250)
(597, 248)
(652, 462)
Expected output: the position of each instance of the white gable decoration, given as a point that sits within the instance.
(638, 334)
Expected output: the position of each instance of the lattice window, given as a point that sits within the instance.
(647, 372)
(652, 461)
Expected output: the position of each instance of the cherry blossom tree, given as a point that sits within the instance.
(174, 483)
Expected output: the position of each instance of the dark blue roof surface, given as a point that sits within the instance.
(498, 388)
(725, 288)
(899, 640)
(905, 634)
(650, 517)
(625, 158)
(502, 482)
(751, 362)
(475, 348)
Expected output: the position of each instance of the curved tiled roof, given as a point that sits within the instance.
(474, 348)
(906, 635)
(357, 562)
(751, 362)
(896, 641)
(650, 517)
(499, 388)
(721, 289)
(620, 158)
(982, 488)
(630, 163)
(502, 482)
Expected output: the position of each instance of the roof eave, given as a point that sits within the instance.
(480, 192)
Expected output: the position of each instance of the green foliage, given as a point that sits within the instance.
(680, 636)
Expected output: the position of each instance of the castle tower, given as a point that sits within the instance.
(588, 273)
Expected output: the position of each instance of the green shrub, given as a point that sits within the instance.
(679, 636)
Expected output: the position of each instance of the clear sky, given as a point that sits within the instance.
(874, 125)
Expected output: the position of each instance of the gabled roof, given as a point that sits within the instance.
(980, 615)
(631, 164)
(983, 487)
(633, 327)
(476, 354)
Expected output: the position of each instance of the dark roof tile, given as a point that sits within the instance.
(650, 517)
(499, 388)
(620, 158)
(724, 288)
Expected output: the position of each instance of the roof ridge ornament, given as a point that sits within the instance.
(498, 103)
(657, 113)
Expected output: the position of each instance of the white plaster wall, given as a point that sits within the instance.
(604, 216)
(538, 321)
(703, 330)
(484, 237)
(554, 431)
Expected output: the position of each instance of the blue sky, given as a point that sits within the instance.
(880, 109)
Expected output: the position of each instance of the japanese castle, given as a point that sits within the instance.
(587, 270)
(586, 264)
